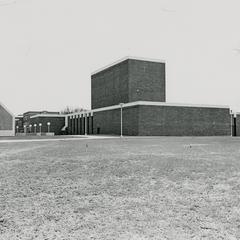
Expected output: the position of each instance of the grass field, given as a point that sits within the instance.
(133, 188)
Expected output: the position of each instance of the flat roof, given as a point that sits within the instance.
(124, 59)
(48, 115)
(43, 112)
(149, 103)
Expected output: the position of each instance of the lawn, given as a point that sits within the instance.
(131, 188)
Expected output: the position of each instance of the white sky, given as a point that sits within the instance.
(48, 48)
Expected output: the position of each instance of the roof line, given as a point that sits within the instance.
(149, 103)
(127, 58)
(7, 109)
(48, 115)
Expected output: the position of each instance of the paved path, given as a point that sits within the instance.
(75, 138)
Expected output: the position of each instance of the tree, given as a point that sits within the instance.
(69, 109)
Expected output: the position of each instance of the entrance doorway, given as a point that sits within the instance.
(234, 126)
(98, 130)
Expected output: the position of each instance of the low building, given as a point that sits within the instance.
(47, 123)
(29, 114)
(144, 118)
(7, 122)
(36, 122)
(19, 124)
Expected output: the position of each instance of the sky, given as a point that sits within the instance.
(49, 48)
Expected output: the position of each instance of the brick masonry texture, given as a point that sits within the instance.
(6, 119)
(146, 81)
(128, 81)
(184, 121)
(108, 122)
(165, 121)
(57, 123)
(110, 86)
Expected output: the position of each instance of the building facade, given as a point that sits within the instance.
(129, 97)
(129, 80)
(80, 123)
(145, 118)
(47, 123)
(19, 125)
(7, 122)
(33, 122)
(137, 86)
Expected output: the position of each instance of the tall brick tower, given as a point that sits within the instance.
(129, 80)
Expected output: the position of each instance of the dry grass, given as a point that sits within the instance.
(159, 188)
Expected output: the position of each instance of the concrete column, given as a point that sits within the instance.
(73, 125)
(79, 124)
(92, 122)
(86, 124)
(69, 125)
(83, 124)
(81, 131)
(76, 124)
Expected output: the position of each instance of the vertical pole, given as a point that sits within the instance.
(121, 122)
(92, 122)
(121, 107)
(48, 124)
(85, 123)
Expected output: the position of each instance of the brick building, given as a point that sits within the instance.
(140, 85)
(134, 90)
(19, 125)
(33, 122)
(129, 80)
(163, 119)
(29, 114)
(7, 122)
(47, 122)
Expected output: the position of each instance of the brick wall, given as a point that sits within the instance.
(146, 81)
(164, 121)
(6, 119)
(184, 121)
(129, 81)
(110, 86)
(109, 122)
(57, 123)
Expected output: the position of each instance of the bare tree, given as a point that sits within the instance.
(69, 109)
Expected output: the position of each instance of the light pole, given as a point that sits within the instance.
(48, 124)
(30, 128)
(121, 107)
(35, 128)
(40, 128)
